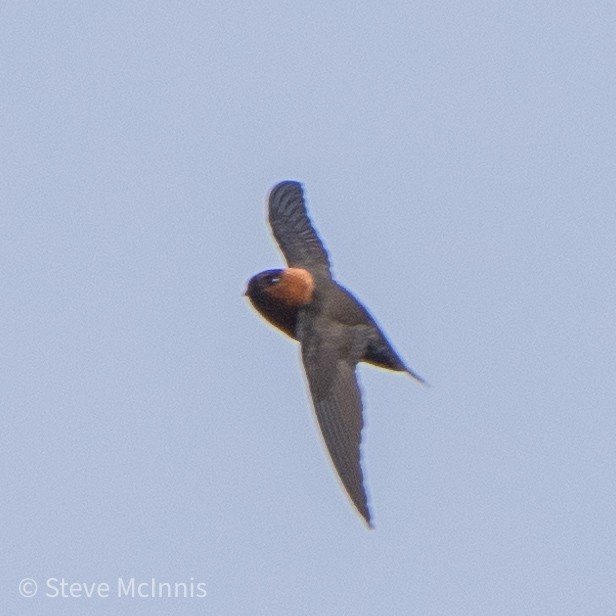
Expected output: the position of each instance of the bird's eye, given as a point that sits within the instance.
(274, 279)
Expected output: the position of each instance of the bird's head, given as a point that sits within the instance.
(292, 286)
(278, 294)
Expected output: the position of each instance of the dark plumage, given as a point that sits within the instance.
(334, 329)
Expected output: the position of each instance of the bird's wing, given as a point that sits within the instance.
(337, 403)
(293, 230)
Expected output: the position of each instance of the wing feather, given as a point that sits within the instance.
(297, 238)
(338, 406)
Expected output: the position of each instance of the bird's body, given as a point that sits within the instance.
(334, 329)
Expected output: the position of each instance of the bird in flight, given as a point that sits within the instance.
(334, 329)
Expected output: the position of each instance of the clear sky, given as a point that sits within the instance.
(459, 161)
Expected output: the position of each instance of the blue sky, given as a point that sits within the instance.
(459, 163)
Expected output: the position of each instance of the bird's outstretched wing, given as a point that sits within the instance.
(293, 230)
(337, 403)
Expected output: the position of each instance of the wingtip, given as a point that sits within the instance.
(366, 519)
(285, 185)
(366, 516)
